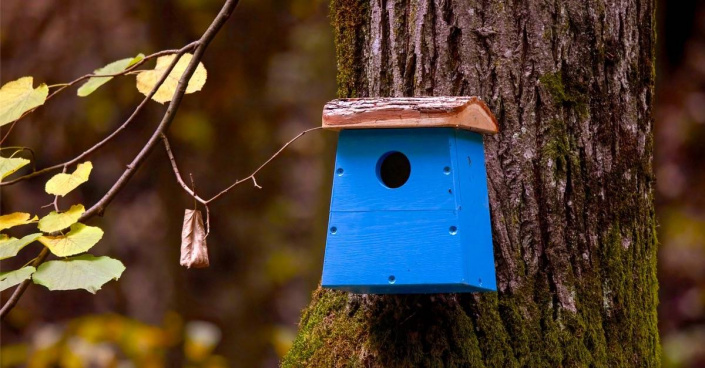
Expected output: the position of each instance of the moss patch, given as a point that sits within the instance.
(329, 334)
(349, 18)
(566, 92)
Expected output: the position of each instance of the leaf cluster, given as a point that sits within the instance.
(82, 271)
(60, 231)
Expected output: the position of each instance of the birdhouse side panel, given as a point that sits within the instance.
(474, 213)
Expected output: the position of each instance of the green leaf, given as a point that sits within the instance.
(12, 278)
(62, 184)
(58, 221)
(115, 67)
(9, 247)
(10, 165)
(15, 219)
(18, 97)
(81, 272)
(148, 79)
(80, 239)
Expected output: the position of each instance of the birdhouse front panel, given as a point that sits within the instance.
(409, 213)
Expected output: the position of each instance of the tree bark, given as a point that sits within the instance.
(570, 184)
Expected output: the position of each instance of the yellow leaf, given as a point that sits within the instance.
(62, 184)
(14, 219)
(10, 165)
(12, 278)
(9, 247)
(148, 79)
(113, 68)
(58, 221)
(80, 239)
(81, 272)
(19, 96)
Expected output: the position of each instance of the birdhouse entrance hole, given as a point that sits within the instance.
(393, 169)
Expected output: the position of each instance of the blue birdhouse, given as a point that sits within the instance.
(409, 210)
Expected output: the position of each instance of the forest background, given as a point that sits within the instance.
(271, 69)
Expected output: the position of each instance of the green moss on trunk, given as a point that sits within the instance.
(349, 19)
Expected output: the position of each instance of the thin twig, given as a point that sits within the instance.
(208, 220)
(168, 117)
(112, 135)
(175, 168)
(10, 129)
(192, 193)
(193, 189)
(56, 197)
(252, 176)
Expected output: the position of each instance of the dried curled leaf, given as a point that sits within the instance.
(194, 251)
(62, 184)
(16, 219)
(146, 80)
(18, 97)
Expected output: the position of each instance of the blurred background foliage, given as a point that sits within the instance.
(270, 71)
(680, 175)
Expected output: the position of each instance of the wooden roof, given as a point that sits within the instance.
(410, 112)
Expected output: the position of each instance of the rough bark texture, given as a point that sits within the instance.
(570, 178)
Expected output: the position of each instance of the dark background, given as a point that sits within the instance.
(271, 69)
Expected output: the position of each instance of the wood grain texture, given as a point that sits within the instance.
(410, 112)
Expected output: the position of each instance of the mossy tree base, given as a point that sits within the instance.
(570, 179)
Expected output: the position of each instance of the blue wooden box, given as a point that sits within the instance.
(409, 213)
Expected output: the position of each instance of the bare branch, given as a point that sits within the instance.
(192, 192)
(168, 117)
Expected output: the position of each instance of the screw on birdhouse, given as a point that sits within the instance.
(402, 218)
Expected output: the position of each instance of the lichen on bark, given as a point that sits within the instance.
(569, 175)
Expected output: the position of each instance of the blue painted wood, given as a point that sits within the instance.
(430, 235)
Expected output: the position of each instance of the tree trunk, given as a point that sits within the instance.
(570, 184)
